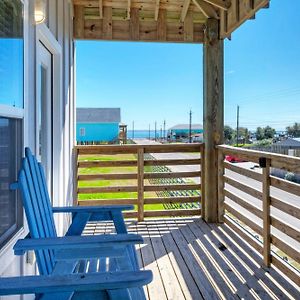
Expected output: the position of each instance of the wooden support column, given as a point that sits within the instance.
(213, 114)
(140, 179)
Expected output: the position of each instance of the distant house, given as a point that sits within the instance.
(289, 146)
(289, 143)
(97, 124)
(181, 131)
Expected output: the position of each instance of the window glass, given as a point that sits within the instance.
(11, 53)
(11, 217)
(82, 131)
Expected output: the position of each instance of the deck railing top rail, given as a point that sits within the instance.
(280, 161)
(163, 148)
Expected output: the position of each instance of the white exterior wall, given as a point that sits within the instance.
(61, 26)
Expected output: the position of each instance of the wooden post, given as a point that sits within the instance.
(202, 168)
(221, 197)
(213, 113)
(140, 179)
(265, 164)
(75, 176)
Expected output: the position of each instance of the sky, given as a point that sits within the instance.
(156, 82)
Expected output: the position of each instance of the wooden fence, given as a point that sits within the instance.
(268, 206)
(141, 177)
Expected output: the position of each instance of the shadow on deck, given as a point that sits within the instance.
(193, 260)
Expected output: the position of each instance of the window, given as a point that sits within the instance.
(82, 131)
(11, 103)
(11, 53)
(10, 157)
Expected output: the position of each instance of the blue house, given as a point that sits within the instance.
(97, 124)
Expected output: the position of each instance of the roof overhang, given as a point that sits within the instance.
(159, 20)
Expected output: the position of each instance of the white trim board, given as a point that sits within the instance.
(46, 37)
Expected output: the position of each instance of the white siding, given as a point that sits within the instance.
(60, 24)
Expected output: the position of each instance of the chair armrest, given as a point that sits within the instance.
(91, 209)
(77, 242)
(73, 282)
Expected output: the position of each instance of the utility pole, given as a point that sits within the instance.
(237, 125)
(190, 127)
(164, 129)
(132, 129)
(155, 130)
(149, 133)
(161, 133)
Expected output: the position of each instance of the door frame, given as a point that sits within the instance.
(45, 36)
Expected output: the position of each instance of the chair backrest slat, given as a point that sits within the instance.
(41, 187)
(38, 208)
(29, 206)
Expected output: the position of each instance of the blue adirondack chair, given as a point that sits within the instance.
(75, 253)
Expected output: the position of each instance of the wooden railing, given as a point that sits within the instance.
(151, 171)
(267, 206)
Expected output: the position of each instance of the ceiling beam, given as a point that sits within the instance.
(220, 3)
(101, 9)
(157, 5)
(128, 9)
(206, 8)
(185, 8)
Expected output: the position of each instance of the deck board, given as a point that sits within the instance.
(191, 259)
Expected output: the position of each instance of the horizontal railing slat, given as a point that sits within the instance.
(172, 175)
(91, 177)
(95, 202)
(172, 200)
(130, 149)
(285, 185)
(244, 219)
(286, 269)
(246, 236)
(112, 163)
(244, 203)
(243, 187)
(172, 162)
(287, 249)
(285, 228)
(172, 187)
(243, 171)
(173, 213)
(106, 189)
(288, 208)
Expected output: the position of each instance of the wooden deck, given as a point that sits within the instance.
(193, 260)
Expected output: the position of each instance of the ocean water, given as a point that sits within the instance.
(143, 134)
